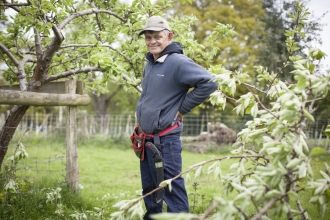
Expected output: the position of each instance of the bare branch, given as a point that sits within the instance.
(254, 203)
(102, 45)
(21, 74)
(70, 60)
(266, 207)
(260, 103)
(72, 72)
(30, 53)
(9, 66)
(264, 107)
(88, 12)
(246, 217)
(51, 50)
(37, 43)
(14, 6)
(137, 87)
(300, 207)
(254, 87)
(209, 211)
(97, 18)
(81, 45)
(57, 32)
(9, 54)
(228, 97)
(192, 168)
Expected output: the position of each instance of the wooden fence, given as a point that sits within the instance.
(62, 93)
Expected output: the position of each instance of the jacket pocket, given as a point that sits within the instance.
(156, 124)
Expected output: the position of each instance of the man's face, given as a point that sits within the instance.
(156, 42)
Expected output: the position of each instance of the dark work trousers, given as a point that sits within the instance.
(176, 199)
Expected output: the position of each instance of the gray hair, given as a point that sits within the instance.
(167, 32)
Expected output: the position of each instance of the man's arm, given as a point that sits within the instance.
(193, 75)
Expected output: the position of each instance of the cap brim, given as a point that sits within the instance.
(151, 29)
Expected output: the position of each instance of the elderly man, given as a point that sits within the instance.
(165, 99)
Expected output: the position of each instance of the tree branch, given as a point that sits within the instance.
(72, 72)
(266, 207)
(20, 73)
(300, 207)
(97, 19)
(9, 54)
(6, 4)
(88, 12)
(246, 217)
(228, 97)
(7, 62)
(117, 51)
(70, 60)
(102, 45)
(253, 87)
(37, 43)
(208, 212)
(14, 6)
(57, 32)
(260, 103)
(137, 87)
(193, 167)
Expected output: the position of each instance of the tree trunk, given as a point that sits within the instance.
(102, 102)
(9, 128)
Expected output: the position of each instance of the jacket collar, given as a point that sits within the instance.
(162, 58)
(174, 47)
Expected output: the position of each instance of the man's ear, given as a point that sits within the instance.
(170, 36)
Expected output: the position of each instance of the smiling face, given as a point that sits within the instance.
(157, 41)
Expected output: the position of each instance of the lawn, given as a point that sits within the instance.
(109, 168)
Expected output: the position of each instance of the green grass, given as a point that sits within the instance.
(107, 167)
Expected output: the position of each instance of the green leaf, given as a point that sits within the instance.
(308, 115)
(293, 163)
(318, 151)
(254, 110)
(198, 172)
(327, 193)
(302, 170)
(316, 54)
(327, 131)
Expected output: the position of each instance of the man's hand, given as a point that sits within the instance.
(179, 114)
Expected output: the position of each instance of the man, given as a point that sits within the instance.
(164, 101)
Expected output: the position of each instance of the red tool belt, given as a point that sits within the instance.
(139, 136)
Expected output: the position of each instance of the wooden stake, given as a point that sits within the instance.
(72, 170)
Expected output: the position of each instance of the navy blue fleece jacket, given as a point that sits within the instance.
(165, 85)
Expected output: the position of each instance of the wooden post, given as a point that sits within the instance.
(61, 93)
(37, 122)
(72, 170)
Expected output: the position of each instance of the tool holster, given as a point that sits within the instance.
(140, 140)
(159, 164)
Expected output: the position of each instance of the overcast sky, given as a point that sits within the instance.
(319, 7)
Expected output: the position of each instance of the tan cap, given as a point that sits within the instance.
(155, 23)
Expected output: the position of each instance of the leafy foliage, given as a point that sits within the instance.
(94, 41)
(72, 38)
(235, 52)
(274, 141)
